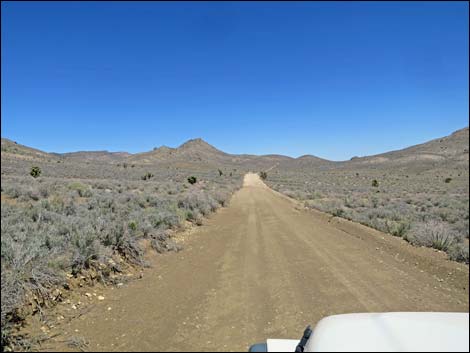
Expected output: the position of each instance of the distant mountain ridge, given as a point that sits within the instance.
(453, 147)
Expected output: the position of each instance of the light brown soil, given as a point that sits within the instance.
(265, 268)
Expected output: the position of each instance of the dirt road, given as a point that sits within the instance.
(265, 267)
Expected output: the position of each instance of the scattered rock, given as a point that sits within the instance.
(100, 297)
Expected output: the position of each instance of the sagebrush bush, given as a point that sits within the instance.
(459, 252)
(433, 234)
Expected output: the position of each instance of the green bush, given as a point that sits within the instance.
(132, 225)
(375, 183)
(192, 180)
(448, 180)
(263, 175)
(35, 172)
(398, 229)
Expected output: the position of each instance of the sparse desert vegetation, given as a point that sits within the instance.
(420, 194)
(83, 216)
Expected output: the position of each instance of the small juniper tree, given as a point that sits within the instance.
(35, 172)
(192, 180)
(263, 175)
(220, 173)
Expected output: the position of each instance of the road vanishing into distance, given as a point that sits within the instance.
(265, 267)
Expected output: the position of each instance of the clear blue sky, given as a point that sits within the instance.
(331, 79)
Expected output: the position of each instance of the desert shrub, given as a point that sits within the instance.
(447, 180)
(398, 229)
(433, 234)
(117, 237)
(338, 212)
(198, 201)
(375, 183)
(87, 251)
(27, 194)
(164, 219)
(13, 191)
(129, 247)
(462, 227)
(162, 243)
(81, 189)
(192, 180)
(263, 175)
(35, 171)
(146, 176)
(459, 252)
(132, 225)
(220, 172)
(158, 201)
(221, 197)
(44, 191)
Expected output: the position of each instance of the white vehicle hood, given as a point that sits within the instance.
(391, 332)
